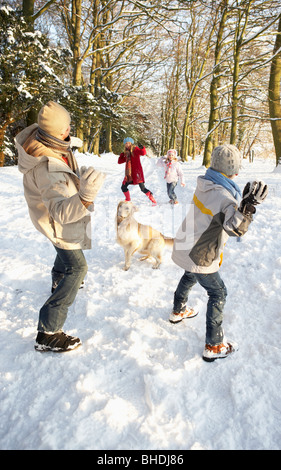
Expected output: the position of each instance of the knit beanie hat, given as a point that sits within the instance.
(226, 159)
(175, 153)
(53, 119)
(128, 139)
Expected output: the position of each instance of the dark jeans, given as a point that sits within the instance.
(125, 188)
(70, 267)
(171, 190)
(217, 293)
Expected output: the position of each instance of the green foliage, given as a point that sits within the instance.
(31, 72)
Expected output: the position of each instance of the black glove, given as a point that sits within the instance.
(254, 193)
(140, 146)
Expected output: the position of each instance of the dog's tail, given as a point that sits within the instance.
(169, 241)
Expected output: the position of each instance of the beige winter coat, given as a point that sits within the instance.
(51, 192)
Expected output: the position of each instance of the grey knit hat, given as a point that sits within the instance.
(226, 159)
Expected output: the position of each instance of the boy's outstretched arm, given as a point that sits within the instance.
(254, 193)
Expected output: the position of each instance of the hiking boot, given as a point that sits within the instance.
(56, 342)
(187, 313)
(220, 351)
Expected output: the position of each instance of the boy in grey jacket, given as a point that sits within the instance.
(216, 213)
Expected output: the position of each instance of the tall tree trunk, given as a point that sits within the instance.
(3, 128)
(175, 99)
(191, 141)
(76, 22)
(166, 119)
(235, 97)
(28, 11)
(108, 143)
(211, 139)
(193, 84)
(238, 44)
(274, 96)
(77, 78)
(95, 80)
(189, 107)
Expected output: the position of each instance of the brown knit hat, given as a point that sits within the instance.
(53, 119)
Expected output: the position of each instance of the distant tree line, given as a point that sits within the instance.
(187, 74)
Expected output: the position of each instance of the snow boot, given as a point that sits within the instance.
(150, 196)
(187, 313)
(220, 351)
(56, 342)
(127, 196)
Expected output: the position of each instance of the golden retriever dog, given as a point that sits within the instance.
(133, 236)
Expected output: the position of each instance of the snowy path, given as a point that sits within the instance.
(139, 382)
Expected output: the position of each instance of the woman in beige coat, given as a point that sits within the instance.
(59, 200)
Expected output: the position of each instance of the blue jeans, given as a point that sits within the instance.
(171, 190)
(217, 293)
(70, 267)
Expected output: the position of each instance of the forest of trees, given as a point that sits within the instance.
(184, 74)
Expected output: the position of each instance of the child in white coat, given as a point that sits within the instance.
(173, 173)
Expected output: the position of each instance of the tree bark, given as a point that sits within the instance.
(211, 139)
(196, 77)
(77, 61)
(76, 22)
(274, 96)
(3, 128)
(238, 44)
(28, 11)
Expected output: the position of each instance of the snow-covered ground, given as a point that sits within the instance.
(139, 382)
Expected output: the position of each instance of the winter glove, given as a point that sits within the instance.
(254, 193)
(75, 142)
(82, 170)
(90, 183)
(140, 146)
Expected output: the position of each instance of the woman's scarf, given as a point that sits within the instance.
(128, 168)
(60, 146)
(222, 180)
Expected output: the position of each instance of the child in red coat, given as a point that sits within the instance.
(133, 169)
